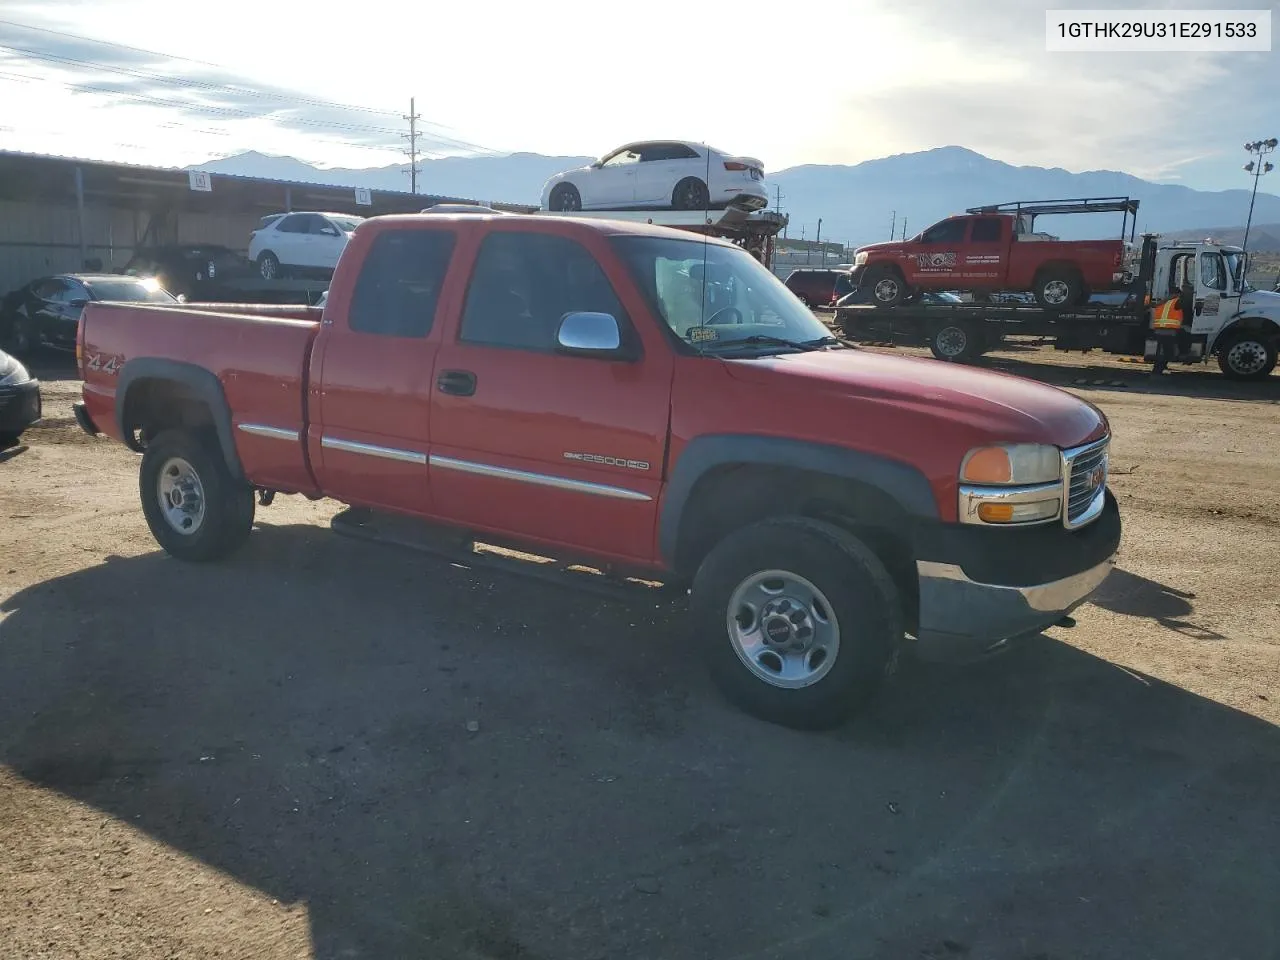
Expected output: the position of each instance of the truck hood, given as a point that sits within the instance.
(1005, 407)
(1261, 301)
(880, 245)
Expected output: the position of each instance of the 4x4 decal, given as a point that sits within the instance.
(109, 364)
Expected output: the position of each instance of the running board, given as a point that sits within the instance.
(411, 534)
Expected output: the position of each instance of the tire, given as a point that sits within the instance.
(690, 194)
(957, 342)
(268, 265)
(834, 583)
(226, 507)
(1058, 289)
(804, 300)
(565, 197)
(21, 340)
(886, 286)
(1247, 355)
(9, 439)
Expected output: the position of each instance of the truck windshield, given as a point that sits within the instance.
(1236, 267)
(714, 296)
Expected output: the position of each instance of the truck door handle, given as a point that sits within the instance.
(461, 383)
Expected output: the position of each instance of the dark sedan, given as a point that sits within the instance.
(19, 400)
(198, 272)
(46, 312)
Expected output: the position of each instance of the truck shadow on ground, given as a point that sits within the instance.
(1199, 382)
(441, 763)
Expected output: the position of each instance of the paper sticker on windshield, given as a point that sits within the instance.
(703, 333)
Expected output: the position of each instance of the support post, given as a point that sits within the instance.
(84, 240)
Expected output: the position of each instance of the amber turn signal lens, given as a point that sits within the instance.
(995, 512)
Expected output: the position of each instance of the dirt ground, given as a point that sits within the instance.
(331, 749)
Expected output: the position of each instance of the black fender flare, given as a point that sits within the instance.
(202, 383)
(906, 485)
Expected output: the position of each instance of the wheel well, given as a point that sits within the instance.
(1253, 325)
(734, 495)
(561, 187)
(154, 404)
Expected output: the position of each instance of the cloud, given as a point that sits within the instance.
(198, 91)
(1149, 114)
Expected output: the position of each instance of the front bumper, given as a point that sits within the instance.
(976, 593)
(19, 406)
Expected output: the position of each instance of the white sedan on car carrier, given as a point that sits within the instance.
(666, 174)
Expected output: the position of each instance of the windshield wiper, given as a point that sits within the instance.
(760, 339)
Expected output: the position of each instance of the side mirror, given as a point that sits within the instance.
(79, 303)
(589, 335)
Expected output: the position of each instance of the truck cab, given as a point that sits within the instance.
(1231, 320)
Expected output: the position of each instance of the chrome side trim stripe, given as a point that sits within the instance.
(275, 433)
(541, 479)
(372, 450)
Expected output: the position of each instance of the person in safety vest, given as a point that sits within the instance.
(1169, 316)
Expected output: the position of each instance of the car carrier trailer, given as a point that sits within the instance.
(1232, 321)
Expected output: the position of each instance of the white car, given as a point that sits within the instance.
(300, 242)
(667, 174)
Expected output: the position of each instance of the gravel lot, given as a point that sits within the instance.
(332, 749)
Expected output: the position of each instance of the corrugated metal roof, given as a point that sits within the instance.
(122, 167)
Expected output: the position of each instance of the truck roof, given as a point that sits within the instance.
(654, 223)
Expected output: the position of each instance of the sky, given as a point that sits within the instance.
(821, 83)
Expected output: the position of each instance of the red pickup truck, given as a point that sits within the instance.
(653, 403)
(990, 252)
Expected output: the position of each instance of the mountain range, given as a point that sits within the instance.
(856, 203)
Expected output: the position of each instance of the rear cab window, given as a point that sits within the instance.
(398, 288)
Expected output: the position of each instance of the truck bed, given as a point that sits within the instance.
(259, 355)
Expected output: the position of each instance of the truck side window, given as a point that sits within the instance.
(1213, 274)
(948, 231)
(986, 230)
(399, 283)
(524, 283)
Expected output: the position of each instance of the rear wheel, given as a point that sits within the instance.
(1058, 289)
(565, 198)
(268, 265)
(690, 194)
(798, 620)
(1248, 355)
(195, 508)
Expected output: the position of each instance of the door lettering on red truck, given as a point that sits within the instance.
(935, 261)
(608, 461)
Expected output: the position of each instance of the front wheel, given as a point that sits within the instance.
(565, 198)
(1248, 355)
(195, 508)
(799, 622)
(268, 265)
(887, 287)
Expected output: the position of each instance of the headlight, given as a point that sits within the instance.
(1013, 463)
(11, 371)
(859, 259)
(1011, 484)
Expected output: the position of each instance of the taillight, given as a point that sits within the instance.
(1118, 260)
(735, 165)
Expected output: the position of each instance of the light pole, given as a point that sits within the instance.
(1257, 168)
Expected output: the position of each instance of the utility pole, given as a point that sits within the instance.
(1257, 168)
(777, 199)
(893, 225)
(412, 137)
(821, 249)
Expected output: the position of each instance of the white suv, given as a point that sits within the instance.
(300, 243)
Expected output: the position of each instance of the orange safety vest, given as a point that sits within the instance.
(1167, 316)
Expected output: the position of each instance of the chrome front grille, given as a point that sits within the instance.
(1086, 471)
